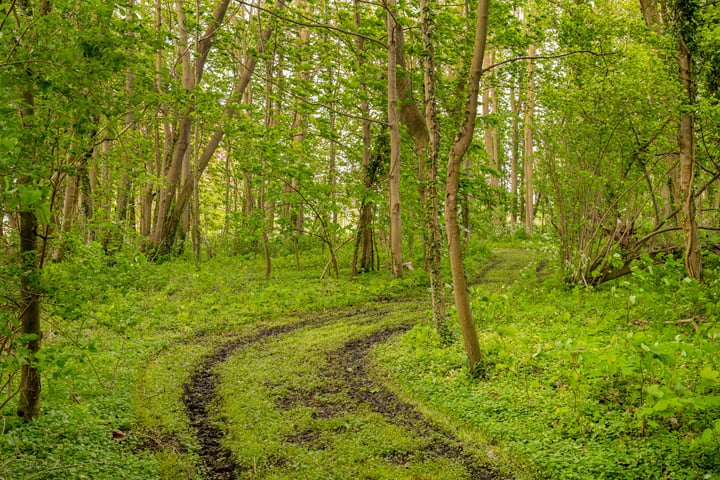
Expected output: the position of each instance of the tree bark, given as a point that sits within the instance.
(515, 133)
(394, 128)
(527, 130)
(682, 178)
(296, 209)
(30, 383)
(171, 221)
(432, 222)
(686, 148)
(457, 152)
(487, 100)
(364, 240)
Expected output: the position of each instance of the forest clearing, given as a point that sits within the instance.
(359, 239)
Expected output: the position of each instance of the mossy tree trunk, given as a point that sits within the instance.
(431, 208)
(394, 127)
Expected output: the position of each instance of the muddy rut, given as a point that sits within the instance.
(346, 384)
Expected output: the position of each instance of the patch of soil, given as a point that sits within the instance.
(155, 442)
(199, 393)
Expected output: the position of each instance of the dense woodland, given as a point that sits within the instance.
(382, 148)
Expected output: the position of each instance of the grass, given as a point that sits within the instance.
(580, 383)
(614, 382)
(122, 338)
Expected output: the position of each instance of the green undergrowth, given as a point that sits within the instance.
(617, 382)
(122, 335)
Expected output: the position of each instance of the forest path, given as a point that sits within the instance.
(302, 399)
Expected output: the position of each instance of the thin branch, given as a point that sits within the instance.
(11, 8)
(120, 133)
(315, 24)
(9, 397)
(548, 57)
(316, 104)
(333, 256)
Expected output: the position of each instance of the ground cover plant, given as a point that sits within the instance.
(318, 379)
(618, 382)
(126, 334)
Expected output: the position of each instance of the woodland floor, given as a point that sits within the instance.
(326, 409)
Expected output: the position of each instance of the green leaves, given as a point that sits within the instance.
(710, 375)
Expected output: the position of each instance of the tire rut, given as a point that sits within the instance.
(200, 392)
(348, 374)
(199, 396)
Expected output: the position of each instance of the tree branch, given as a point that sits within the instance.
(547, 57)
(315, 24)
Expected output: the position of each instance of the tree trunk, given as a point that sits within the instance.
(394, 127)
(196, 237)
(686, 148)
(267, 207)
(432, 222)
(72, 189)
(682, 177)
(364, 241)
(487, 100)
(528, 159)
(30, 383)
(494, 135)
(457, 152)
(515, 145)
(298, 135)
(169, 223)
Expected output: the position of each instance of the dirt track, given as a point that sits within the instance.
(346, 384)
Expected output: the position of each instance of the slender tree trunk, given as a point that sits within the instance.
(682, 177)
(364, 241)
(93, 200)
(70, 199)
(298, 131)
(146, 200)
(515, 145)
(495, 136)
(196, 237)
(457, 152)
(30, 383)
(394, 127)
(265, 206)
(172, 219)
(158, 170)
(180, 149)
(432, 222)
(686, 148)
(528, 159)
(124, 196)
(488, 133)
(332, 172)
(413, 120)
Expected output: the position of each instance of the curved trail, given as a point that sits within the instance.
(343, 384)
